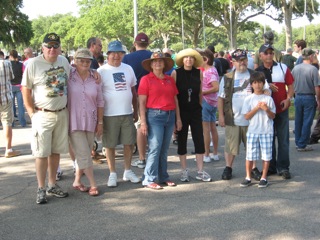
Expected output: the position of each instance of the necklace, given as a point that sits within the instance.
(188, 81)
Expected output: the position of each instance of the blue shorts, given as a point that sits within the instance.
(209, 113)
(257, 143)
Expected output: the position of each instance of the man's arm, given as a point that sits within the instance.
(134, 103)
(28, 101)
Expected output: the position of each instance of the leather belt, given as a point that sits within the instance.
(47, 110)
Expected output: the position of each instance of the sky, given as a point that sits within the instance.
(35, 8)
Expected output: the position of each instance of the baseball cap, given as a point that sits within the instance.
(265, 47)
(306, 52)
(142, 37)
(51, 38)
(239, 54)
(115, 46)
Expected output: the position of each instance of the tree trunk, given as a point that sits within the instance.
(287, 11)
(166, 38)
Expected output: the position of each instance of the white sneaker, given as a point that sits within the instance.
(112, 182)
(203, 176)
(214, 157)
(206, 159)
(184, 176)
(129, 175)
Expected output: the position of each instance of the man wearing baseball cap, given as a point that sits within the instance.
(288, 59)
(280, 79)
(135, 59)
(45, 97)
(120, 97)
(268, 38)
(233, 89)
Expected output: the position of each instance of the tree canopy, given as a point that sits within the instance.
(15, 27)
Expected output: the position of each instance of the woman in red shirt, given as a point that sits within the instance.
(159, 110)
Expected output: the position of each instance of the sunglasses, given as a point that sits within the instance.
(55, 46)
(268, 53)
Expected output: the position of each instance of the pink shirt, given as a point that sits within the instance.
(84, 99)
(209, 76)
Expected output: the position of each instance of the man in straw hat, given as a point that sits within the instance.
(188, 80)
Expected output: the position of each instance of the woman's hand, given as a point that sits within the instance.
(144, 129)
(178, 125)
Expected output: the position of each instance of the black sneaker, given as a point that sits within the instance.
(41, 196)
(57, 192)
(285, 174)
(256, 174)
(227, 173)
(245, 183)
(263, 183)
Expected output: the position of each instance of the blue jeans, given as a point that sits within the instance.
(305, 110)
(18, 95)
(280, 159)
(160, 129)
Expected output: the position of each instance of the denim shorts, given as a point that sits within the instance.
(209, 113)
(257, 143)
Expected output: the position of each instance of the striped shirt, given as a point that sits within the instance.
(6, 75)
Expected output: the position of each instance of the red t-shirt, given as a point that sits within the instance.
(160, 92)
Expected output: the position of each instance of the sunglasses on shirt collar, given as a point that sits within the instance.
(55, 46)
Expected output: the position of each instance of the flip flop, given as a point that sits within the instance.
(170, 184)
(81, 188)
(93, 191)
(153, 186)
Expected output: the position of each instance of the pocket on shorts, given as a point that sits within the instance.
(35, 140)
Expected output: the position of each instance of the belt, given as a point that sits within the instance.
(305, 94)
(47, 110)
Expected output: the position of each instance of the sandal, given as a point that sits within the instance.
(153, 186)
(81, 188)
(93, 191)
(170, 184)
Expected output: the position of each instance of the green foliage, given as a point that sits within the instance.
(15, 27)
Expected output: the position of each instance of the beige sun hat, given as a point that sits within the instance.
(189, 52)
(83, 53)
(168, 62)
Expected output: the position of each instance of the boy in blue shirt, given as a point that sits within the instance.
(260, 110)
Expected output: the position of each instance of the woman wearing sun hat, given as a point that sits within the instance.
(189, 83)
(85, 105)
(158, 112)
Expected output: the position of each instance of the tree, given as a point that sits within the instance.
(15, 27)
(290, 8)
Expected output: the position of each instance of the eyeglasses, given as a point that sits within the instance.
(55, 46)
(268, 53)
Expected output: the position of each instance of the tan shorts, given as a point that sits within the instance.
(49, 133)
(82, 143)
(234, 135)
(118, 130)
(6, 114)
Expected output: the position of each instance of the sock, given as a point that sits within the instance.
(9, 150)
(263, 179)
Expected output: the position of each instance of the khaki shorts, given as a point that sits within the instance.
(118, 130)
(82, 143)
(6, 114)
(49, 133)
(234, 135)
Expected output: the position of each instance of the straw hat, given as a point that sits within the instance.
(168, 62)
(189, 52)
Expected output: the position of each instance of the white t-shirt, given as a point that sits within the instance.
(116, 88)
(48, 82)
(239, 96)
(260, 123)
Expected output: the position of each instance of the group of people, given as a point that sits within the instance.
(130, 99)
